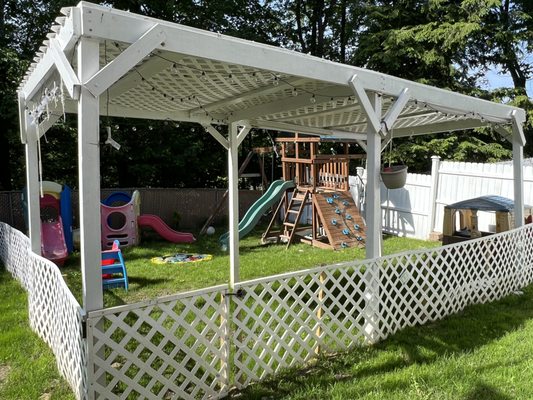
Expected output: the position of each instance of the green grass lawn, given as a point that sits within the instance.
(149, 280)
(27, 366)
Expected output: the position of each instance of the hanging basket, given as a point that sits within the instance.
(394, 177)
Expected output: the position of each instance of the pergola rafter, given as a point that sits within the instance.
(139, 67)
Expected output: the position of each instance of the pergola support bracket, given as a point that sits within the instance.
(124, 62)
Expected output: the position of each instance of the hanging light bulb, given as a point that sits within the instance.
(294, 92)
(203, 77)
(231, 80)
(275, 80)
(312, 99)
(134, 128)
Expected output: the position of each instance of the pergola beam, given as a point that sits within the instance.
(126, 60)
(217, 135)
(448, 126)
(372, 118)
(290, 103)
(394, 111)
(233, 100)
(70, 80)
(293, 128)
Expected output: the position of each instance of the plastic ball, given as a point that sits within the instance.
(210, 231)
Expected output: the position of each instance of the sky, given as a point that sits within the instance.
(496, 80)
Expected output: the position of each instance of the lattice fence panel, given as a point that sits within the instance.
(288, 319)
(171, 348)
(54, 313)
(423, 286)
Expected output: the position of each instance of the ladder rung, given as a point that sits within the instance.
(288, 224)
(293, 211)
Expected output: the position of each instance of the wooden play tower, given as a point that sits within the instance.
(322, 188)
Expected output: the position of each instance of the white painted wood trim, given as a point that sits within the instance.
(394, 111)
(32, 194)
(518, 174)
(217, 135)
(245, 129)
(233, 190)
(70, 80)
(359, 91)
(89, 178)
(126, 60)
(373, 186)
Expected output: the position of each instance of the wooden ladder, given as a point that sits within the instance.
(296, 205)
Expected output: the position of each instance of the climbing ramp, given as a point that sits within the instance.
(339, 220)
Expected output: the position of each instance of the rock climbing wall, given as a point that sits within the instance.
(340, 219)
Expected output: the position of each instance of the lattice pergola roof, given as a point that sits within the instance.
(192, 75)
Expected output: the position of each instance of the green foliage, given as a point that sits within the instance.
(445, 43)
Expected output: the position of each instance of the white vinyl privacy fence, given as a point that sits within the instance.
(200, 344)
(417, 209)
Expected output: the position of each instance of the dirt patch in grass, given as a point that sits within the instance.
(4, 373)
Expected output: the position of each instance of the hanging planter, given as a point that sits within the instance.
(394, 176)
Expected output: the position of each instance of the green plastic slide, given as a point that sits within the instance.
(254, 213)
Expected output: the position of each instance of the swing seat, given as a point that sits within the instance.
(394, 177)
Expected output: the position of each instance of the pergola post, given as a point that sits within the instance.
(233, 192)
(518, 175)
(373, 188)
(32, 179)
(89, 178)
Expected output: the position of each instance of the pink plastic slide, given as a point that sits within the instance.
(53, 246)
(158, 225)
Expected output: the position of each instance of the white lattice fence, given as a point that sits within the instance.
(175, 347)
(424, 286)
(54, 313)
(285, 320)
(181, 346)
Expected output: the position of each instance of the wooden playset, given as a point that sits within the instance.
(322, 187)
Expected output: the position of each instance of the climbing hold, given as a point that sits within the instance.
(357, 227)
(329, 200)
(348, 216)
(346, 231)
(344, 245)
(359, 238)
(337, 211)
(335, 196)
(344, 202)
(334, 222)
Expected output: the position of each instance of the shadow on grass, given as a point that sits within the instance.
(476, 326)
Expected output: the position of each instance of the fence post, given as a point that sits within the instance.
(435, 166)
(371, 296)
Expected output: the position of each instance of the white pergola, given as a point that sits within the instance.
(101, 61)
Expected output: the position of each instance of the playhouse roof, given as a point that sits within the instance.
(485, 203)
(155, 69)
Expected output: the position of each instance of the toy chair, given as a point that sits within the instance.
(113, 268)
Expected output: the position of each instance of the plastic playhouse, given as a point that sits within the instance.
(121, 221)
(321, 186)
(461, 219)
